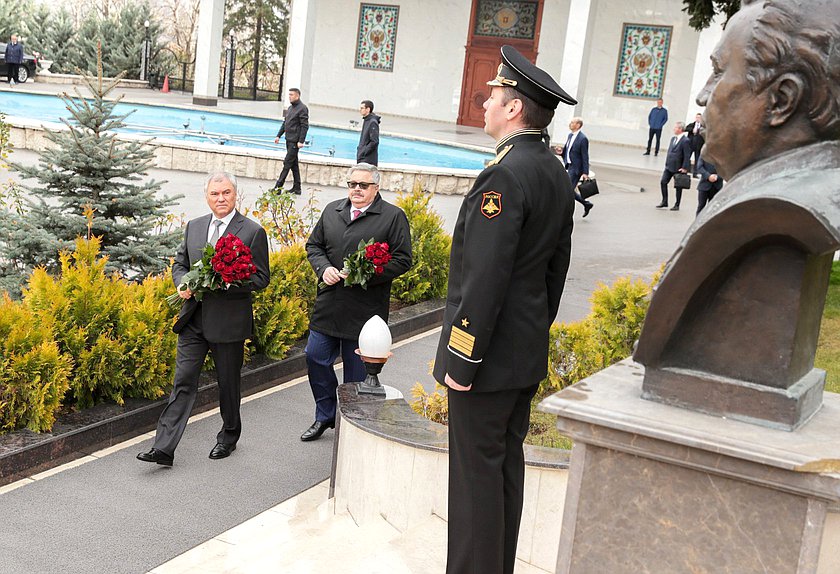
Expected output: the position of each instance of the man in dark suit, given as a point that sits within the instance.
(295, 125)
(13, 58)
(576, 160)
(510, 254)
(368, 149)
(696, 133)
(678, 160)
(341, 310)
(219, 323)
(710, 183)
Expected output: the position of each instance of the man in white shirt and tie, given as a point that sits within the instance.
(220, 323)
(576, 160)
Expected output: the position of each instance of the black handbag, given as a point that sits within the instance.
(588, 187)
(682, 181)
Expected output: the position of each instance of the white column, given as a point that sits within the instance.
(702, 64)
(299, 49)
(575, 63)
(211, 19)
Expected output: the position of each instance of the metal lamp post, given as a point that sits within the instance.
(230, 66)
(145, 56)
(375, 350)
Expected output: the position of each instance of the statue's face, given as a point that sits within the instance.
(735, 115)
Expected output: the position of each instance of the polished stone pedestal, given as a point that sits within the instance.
(658, 489)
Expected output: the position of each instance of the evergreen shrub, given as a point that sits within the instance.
(117, 334)
(604, 337)
(281, 310)
(430, 245)
(34, 374)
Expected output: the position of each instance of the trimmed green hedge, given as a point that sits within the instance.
(85, 336)
(430, 245)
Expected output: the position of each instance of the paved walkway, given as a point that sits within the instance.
(110, 513)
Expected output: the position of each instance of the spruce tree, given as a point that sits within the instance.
(702, 12)
(89, 182)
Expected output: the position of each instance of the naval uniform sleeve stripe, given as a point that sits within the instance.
(454, 352)
(461, 340)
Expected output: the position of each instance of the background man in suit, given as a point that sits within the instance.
(295, 126)
(576, 160)
(368, 148)
(340, 311)
(710, 183)
(510, 254)
(696, 136)
(220, 323)
(657, 118)
(13, 58)
(678, 160)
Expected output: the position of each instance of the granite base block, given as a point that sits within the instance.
(658, 489)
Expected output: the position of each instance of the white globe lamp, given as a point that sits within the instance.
(374, 349)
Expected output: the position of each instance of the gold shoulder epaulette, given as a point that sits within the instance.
(500, 155)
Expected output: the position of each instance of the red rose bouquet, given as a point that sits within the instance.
(368, 260)
(228, 264)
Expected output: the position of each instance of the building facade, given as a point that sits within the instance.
(430, 59)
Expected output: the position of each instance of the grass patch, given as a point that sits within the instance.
(828, 347)
(542, 430)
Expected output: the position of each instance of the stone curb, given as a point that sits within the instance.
(23, 453)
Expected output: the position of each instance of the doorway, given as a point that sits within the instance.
(494, 23)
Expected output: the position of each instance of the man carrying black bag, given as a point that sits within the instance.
(576, 161)
(678, 161)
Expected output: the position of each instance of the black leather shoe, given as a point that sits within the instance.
(295, 191)
(676, 207)
(662, 205)
(157, 456)
(587, 208)
(316, 430)
(222, 450)
(646, 153)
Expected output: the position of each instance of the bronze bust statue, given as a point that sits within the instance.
(732, 327)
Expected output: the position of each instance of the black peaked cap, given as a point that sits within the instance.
(517, 72)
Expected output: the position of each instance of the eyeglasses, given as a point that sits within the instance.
(359, 184)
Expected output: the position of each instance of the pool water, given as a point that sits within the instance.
(227, 129)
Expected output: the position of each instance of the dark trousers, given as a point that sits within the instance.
(704, 196)
(192, 349)
(574, 177)
(696, 155)
(321, 352)
(667, 176)
(290, 163)
(653, 132)
(486, 479)
(12, 71)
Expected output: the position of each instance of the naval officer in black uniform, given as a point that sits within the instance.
(510, 255)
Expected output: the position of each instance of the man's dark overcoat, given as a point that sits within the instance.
(341, 311)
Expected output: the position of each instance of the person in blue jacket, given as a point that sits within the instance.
(657, 118)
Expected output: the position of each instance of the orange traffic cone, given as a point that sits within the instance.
(165, 88)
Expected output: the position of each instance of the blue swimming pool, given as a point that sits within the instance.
(227, 129)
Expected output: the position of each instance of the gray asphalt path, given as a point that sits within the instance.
(118, 515)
